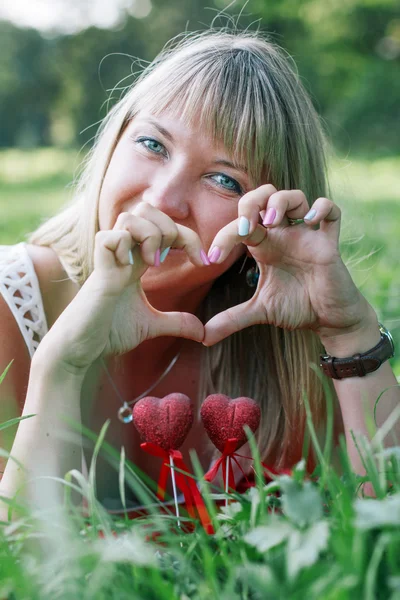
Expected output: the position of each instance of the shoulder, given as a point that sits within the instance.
(56, 289)
(46, 262)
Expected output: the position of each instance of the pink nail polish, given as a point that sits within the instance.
(157, 262)
(215, 254)
(204, 258)
(269, 216)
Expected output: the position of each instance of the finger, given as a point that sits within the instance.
(283, 204)
(250, 206)
(228, 237)
(189, 241)
(156, 231)
(142, 232)
(112, 245)
(173, 235)
(324, 212)
(177, 324)
(230, 321)
(165, 224)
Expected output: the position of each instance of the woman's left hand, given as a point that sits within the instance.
(303, 282)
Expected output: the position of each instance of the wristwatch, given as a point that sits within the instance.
(360, 365)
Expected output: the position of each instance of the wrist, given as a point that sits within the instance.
(45, 363)
(356, 339)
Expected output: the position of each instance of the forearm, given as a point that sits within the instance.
(44, 444)
(357, 395)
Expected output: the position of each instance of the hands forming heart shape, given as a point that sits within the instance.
(303, 282)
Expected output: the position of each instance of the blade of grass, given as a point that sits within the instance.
(121, 482)
(95, 509)
(4, 373)
(258, 468)
(372, 571)
(327, 453)
(312, 431)
(14, 421)
(205, 488)
(368, 462)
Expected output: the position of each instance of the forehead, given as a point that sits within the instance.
(174, 127)
(188, 132)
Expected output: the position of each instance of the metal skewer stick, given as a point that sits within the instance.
(171, 462)
(226, 479)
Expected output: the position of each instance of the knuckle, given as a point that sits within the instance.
(268, 188)
(170, 235)
(299, 193)
(122, 219)
(101, 236)
(125, 235)
(280, 196)
(141, 209)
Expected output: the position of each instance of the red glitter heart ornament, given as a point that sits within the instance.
(164, 421)
(224, 418)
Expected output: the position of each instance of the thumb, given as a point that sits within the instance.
(230, 321)
(177, 324)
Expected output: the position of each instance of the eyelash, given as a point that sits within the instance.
(237, 188)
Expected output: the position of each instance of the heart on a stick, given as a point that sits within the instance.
(224, 418)
(164, 421)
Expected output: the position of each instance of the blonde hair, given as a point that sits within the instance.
(244, 91)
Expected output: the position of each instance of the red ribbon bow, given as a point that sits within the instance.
(229, 451)
(187, 485)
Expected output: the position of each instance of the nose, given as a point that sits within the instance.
(168, 192)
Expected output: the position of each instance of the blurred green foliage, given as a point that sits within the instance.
(348, 55)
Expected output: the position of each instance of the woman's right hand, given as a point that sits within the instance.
(110, 314)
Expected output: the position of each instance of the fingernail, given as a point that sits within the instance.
(157, 258)
(215, 254)
(204, 258)
(310, 215)
(269, 216)
(164, 254)
(244, 226)
(131, 261)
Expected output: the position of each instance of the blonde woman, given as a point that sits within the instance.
(217, 154)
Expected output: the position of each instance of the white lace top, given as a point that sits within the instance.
(19, 287)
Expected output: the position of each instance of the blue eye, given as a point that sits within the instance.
(152, 145)
(228, 183)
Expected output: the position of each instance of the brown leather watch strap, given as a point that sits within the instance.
(358, 365)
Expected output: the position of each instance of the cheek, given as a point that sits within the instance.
(217, 218)
(120, 186)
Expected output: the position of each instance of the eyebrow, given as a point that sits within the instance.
(219, 161)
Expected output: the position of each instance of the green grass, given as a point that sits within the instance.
(292, 539)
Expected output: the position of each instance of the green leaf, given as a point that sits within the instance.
(267, 536)
(304, 547)
(230, 511)
(377, 513)
(126, 548)
(301, 503)
(389, 452)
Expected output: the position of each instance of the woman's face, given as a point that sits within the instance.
(181, 172)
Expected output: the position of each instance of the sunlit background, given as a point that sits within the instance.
(65, 62)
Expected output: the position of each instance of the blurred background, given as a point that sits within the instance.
(64, 62)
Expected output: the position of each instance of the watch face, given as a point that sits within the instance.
(387, 333)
